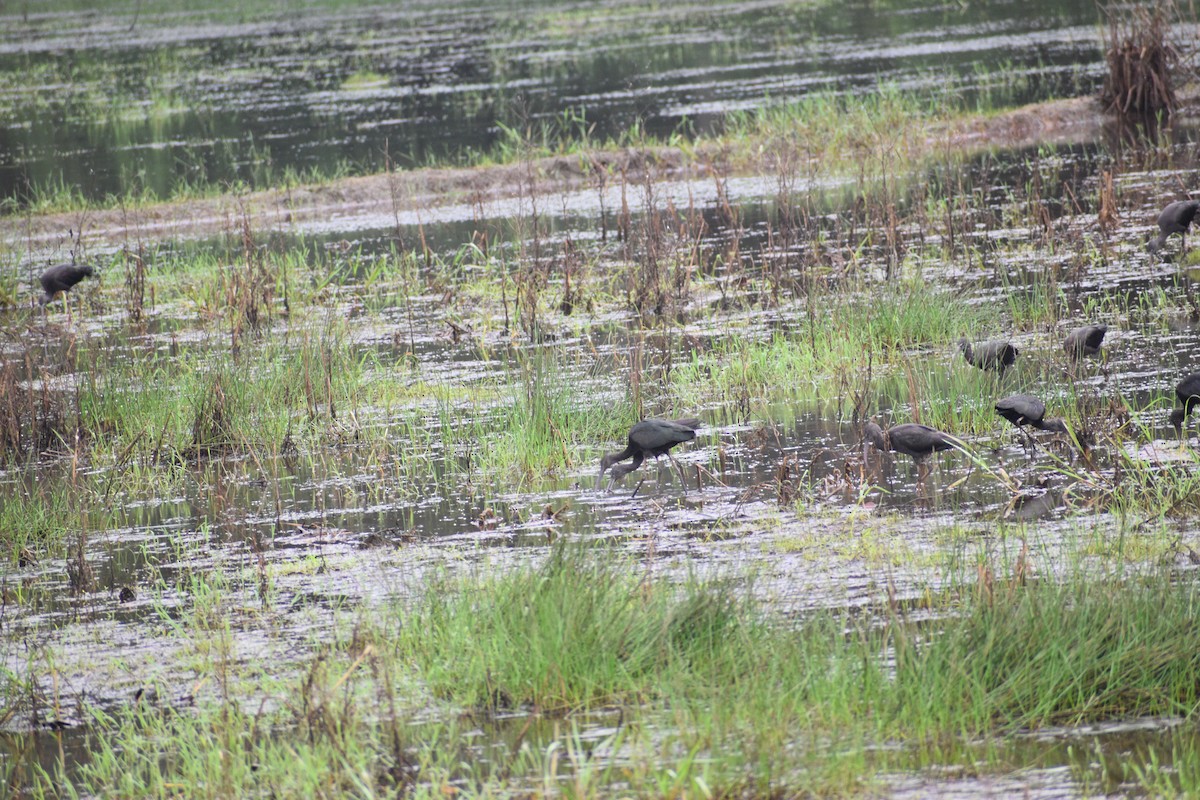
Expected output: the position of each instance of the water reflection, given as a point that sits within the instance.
(190, 102)
(789, 485)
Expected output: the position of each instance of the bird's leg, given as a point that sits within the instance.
(682, 474)
(1030, 445)
(922, 470)
(635, 489)
(922, 479)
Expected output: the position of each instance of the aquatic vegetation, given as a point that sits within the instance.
(315, 514)
(877, 329)
(1142, 60)
(36, 521)
(364, 79)
(750, 697)
(153, 130)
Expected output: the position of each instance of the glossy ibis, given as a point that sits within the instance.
(1084, 341)
(911, 439)
(996, 354)
(61, 278)
(1024, 409)
(918, 441)
(650, 437)
(1188, 392)
(1175, 218)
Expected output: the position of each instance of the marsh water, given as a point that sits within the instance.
(210, 96)
(218, 100)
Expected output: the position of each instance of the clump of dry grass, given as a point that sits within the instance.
(249, 288)
(212, 425)
(135, 285)
(1142, 61)
(33, 416)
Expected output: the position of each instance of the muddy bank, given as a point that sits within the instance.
(1071, 120)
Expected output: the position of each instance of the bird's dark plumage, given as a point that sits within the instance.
(1175, 218)
(1024, 409)
(61, 278)
(996, 354)
(1188, 392)
(1084, 341)
(873, 434)
(918, 441)
(911, 439)
(650, 437)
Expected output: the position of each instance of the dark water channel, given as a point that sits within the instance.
(785, 490)
(108, 102)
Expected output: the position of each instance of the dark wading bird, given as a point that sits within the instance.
(1188, 392)
(1084, 341)
(996, 354)
(911, 439)
(1175, 218)
(874, 435)
(650, 437)
(1024, 409)
(61, 278)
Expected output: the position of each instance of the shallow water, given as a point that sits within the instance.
(160, 100)
(782, 490)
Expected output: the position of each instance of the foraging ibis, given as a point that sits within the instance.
(996, 354)
(1084, 341)
(1175, 218)
(650, 437)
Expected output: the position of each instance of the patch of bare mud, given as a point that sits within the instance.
(1074, 119)
(1071, 120)
(375, 195)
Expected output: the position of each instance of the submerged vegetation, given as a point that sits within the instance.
(171, 124)
(317, 515)
(707, 691)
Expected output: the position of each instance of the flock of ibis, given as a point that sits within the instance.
(655, 437)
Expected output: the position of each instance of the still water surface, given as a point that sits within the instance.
(113, 103)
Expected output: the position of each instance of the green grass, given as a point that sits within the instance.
(875, 136)
(1168, 771)
(1142, 490)
(888, 127)
(1055, 653)
(34, 521)
(713, 688)
(843, 337)
(210, 402)
(593, 632)
(548, 426)
(573, 633)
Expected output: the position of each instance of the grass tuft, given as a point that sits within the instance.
(754, 702)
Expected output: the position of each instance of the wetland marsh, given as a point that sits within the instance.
(301, 498)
